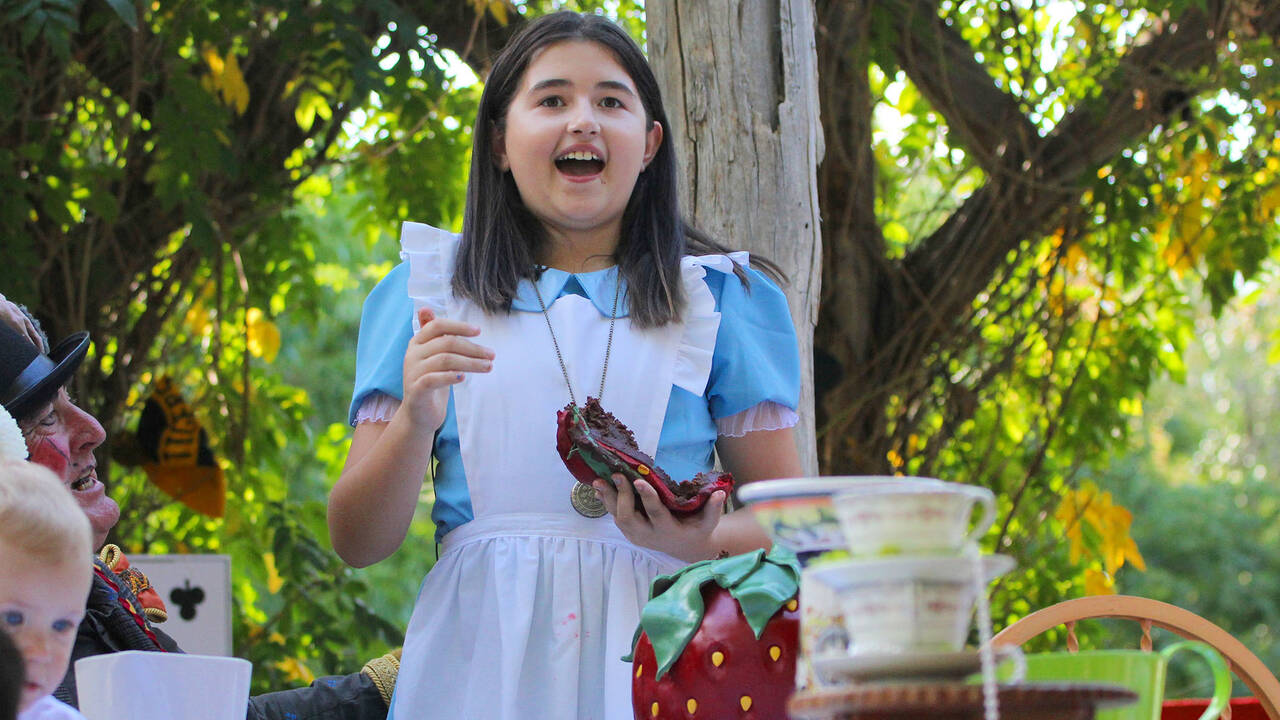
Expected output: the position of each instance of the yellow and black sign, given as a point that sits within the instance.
(174, 452)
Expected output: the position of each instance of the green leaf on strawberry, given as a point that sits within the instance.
(719, 637)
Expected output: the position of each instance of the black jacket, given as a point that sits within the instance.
(109, 627)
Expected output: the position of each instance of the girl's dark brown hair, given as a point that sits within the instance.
(501, 238)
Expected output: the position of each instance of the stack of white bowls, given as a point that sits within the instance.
(900, 604)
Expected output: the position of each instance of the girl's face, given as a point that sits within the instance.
(62, 437)
(576, 138)
(41, 605)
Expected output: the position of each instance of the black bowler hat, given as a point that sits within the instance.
(28, 377)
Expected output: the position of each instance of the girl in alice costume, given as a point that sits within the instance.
(574, 276)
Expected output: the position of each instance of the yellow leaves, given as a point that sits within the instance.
(263, 335)
(197, 320)
(896, 233)
(274, 581)
(1098, 530)
(1184, 233)
(1182, 237)
(296, 671)
(895, 458)
(1268, 204)
(1130, 406)
(1201, 162)
(1097, 582)
(311, 104)
(1076, 256)
(496, 8)
(225, 79)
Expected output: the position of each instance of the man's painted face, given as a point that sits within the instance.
(62, 437)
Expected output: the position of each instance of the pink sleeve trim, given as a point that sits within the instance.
(377, 407)
(767, 415)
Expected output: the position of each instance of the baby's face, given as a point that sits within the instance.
(41, 605)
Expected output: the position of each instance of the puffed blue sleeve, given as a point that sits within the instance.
(757, 357)
(386, 325)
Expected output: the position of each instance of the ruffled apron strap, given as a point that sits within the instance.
(431, 253)
(701, 321)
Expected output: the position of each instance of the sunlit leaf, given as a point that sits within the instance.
(1097, 582)
(296, 671)
(264, 336)
(274, 581)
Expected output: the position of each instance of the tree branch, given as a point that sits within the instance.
(994, 221)
(1153, 82)
(987, 121)
(453, 22)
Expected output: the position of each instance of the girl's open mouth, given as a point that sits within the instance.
(580, 163)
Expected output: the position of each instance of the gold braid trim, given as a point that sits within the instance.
(382, 671)
(110, 556)
(155, 615)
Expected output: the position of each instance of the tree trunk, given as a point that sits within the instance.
(887, 322)
(740, 82)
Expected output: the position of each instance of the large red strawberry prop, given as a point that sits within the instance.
(595, 444)
(719, 639)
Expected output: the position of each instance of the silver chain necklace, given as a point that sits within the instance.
(613, 319)
(583, 497)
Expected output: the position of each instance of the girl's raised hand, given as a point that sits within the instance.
(687, 538)
(439, 355)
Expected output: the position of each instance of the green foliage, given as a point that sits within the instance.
(185, 179)
(184, 193)
(1200, 474)
(212, 188)
(299, 610)
(1056, 358)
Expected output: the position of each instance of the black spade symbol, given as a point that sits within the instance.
(187, 598)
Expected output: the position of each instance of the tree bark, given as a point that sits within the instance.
(883, 317)
(739, 78)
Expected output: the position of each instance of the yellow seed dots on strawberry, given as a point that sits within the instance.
(729, 666)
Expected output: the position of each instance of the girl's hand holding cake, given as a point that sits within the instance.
(651, 510)
(644, 520)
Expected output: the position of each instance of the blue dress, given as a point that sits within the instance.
(531, 606)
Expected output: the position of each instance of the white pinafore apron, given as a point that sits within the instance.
(531, 606)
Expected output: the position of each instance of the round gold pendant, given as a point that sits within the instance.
(584, 500)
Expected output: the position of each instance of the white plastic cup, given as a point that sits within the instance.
(135, 684)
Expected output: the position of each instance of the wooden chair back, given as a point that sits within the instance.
(1152, 613)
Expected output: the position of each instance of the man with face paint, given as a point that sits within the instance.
(62, 437)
